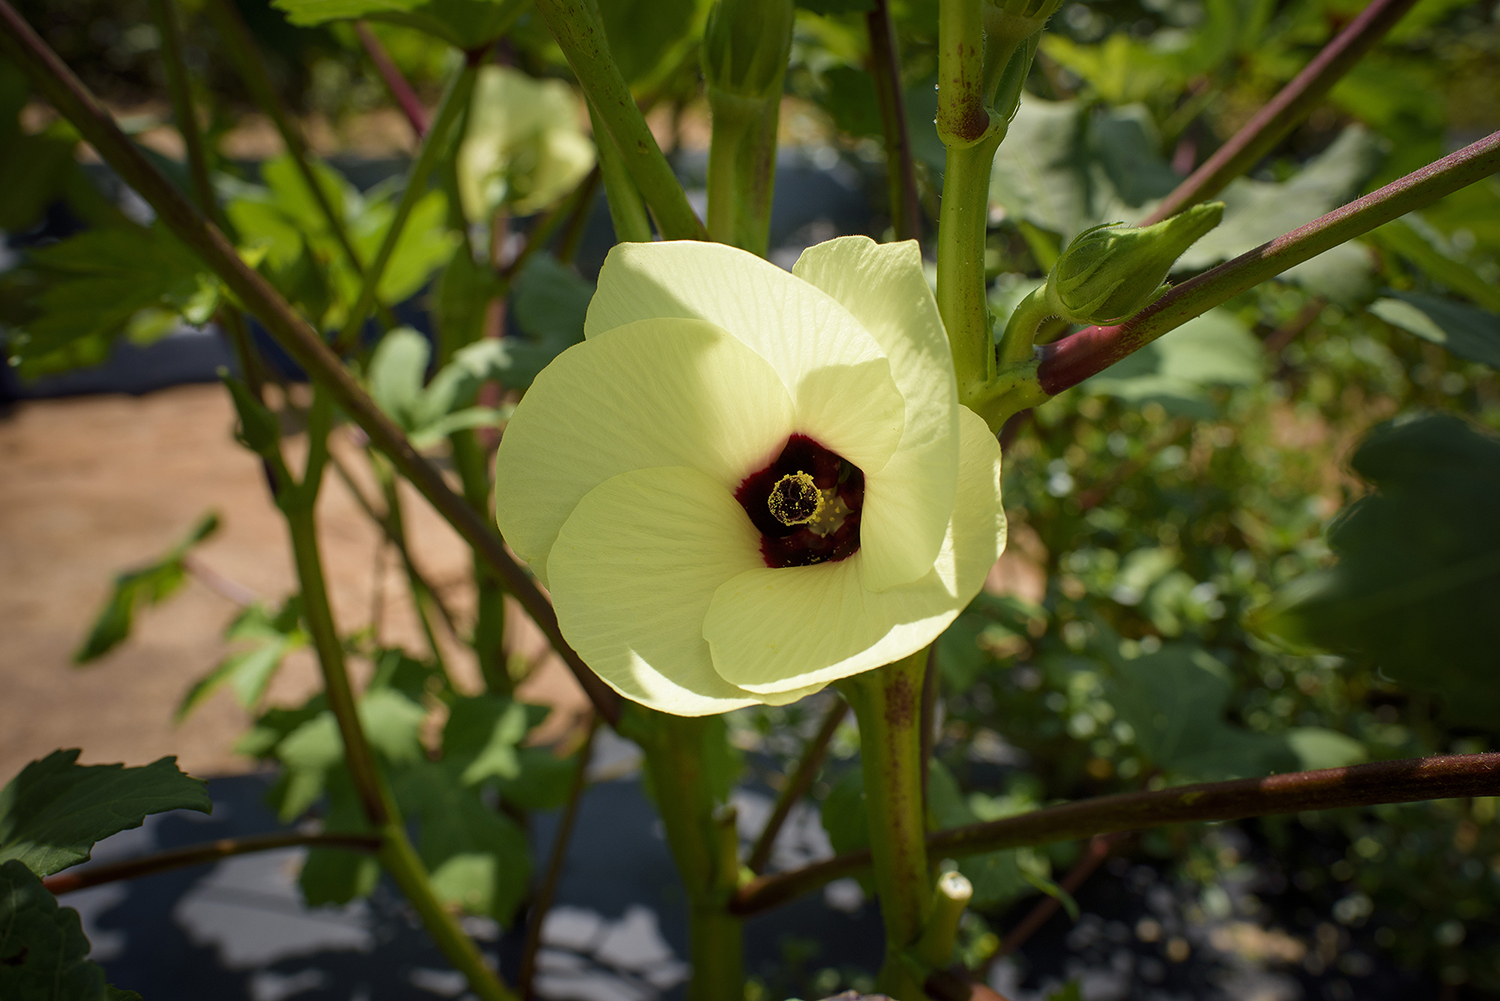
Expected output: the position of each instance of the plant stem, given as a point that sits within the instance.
(421, 596)
(796, 786)
(212, 851)
(576, 26)
(542, 902)
(1094, 854)
(180, 89)
(434, 146)
(626, 210)
(405, 98)
(1406, 781)
(1069, 361)
(72, 99)
(901, 174)
(1295, 102)
(675, 749)
(962, 119)
(887, 703)
(401, 861)
(1020, 330)
(742, 168)
(962, 219)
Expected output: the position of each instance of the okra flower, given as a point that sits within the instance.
(744, 484)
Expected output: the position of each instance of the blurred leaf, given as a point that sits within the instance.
(549, 304)
(996, 876)
(850, 98)
(52, 813)
(1418, 576)
(482, 736)
(149, 585)
(465, 24)
(648, 37)
(1414, 239)
(544, 780)
(1318, 747)
(1179, 368)
(397, 370)
(478, 858)
(1467, 332)
(392, 723)
(43, 951)
(464, 290)
(827, 7)
(336, 877)
(250, 671)
(843, 815)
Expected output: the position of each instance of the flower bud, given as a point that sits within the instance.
(1113, 271)
(746, 45)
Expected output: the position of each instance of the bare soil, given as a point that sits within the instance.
(91, 486)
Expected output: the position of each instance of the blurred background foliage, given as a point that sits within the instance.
(1174, 605)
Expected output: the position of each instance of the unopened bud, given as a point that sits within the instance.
(1113, 271)
(746, 46)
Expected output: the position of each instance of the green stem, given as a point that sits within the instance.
(489, 618)
(901, 173)
(962, 220)
(962, 119)
(626, 210)
(796, 786)
(434, 146)
(401, 861)
(421, 598)
(1020, 330)
(65, 92)
(180, 89)
(742, 168)
(579, 31)
(887, 703)
(706, 858)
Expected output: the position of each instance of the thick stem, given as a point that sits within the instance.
(1289, 107)
(742, 168)
(901, 172)
(962, 119)
(887, 703)
(434, 147)
(1069, 361)
(213, 851)
(74, 101)
(390, 74)
(1409, 781)
(576, 26)
(1020, 330)
(796, 786)
(626, 210)
(962, 219)
(695, 826)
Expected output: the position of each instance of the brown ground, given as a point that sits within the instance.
(93, 485)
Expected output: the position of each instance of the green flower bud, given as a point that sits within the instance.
(1113, 271)
(746, 46)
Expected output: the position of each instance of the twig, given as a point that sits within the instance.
(548, 888)
(1284, 111)
(74, 101)
(797, 785)
(1094, 854)
(406, 98)
(1405, 781)
(1069, 361)
(217, 582)
(901, 174)
(212, 851)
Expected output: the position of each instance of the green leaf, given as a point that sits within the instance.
(1318, 747)
(1180, 368)
(1417, 580)
(249, 672)
(149, 585)
(1175, 700)
(43, 951)
(851, 99)
(844, 817)
(478, 858)
(331, 876)
(464, 290)
(997, 877)
(465, 24)
(648, 37)
(306, 754)
(1417, 241)
(397, 370)
(1467, 332)
(482, 736)
(392, 723)
(544, 780)
(52, 813)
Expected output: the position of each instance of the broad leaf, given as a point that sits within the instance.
(1417, 581)
(149, 585)
(1467, 332)
(649, 37)
(52, 813)
(331, 876)
(43, 951)
(1416, 240)
(482, 737)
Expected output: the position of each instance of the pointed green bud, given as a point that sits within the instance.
(1113, 271)
(746, 46)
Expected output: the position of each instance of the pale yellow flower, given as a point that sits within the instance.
(744, 483)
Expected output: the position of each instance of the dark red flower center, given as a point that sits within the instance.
(806, 505)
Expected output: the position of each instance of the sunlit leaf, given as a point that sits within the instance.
(1467, 332)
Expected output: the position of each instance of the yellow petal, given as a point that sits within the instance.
(782, 630)
(633, 571)
(666, 392)
(908, 501)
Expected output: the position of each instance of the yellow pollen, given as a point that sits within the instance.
(795, 499)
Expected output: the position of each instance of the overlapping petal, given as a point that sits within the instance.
(776, 631)
(907, 503)
(633, 572)
(663, 392)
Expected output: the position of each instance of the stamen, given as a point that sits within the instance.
(796, 500)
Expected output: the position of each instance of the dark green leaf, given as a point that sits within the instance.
(482, 737)
(331, 876)
(1416, 240)
(149, 585)
(844, 816)
(544, 780)
(646, 36)
(1467, 332)
(52, 813)
(43, 951)
(851, 100)
(1417, 581)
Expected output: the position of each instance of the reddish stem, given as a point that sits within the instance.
(395, 82)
